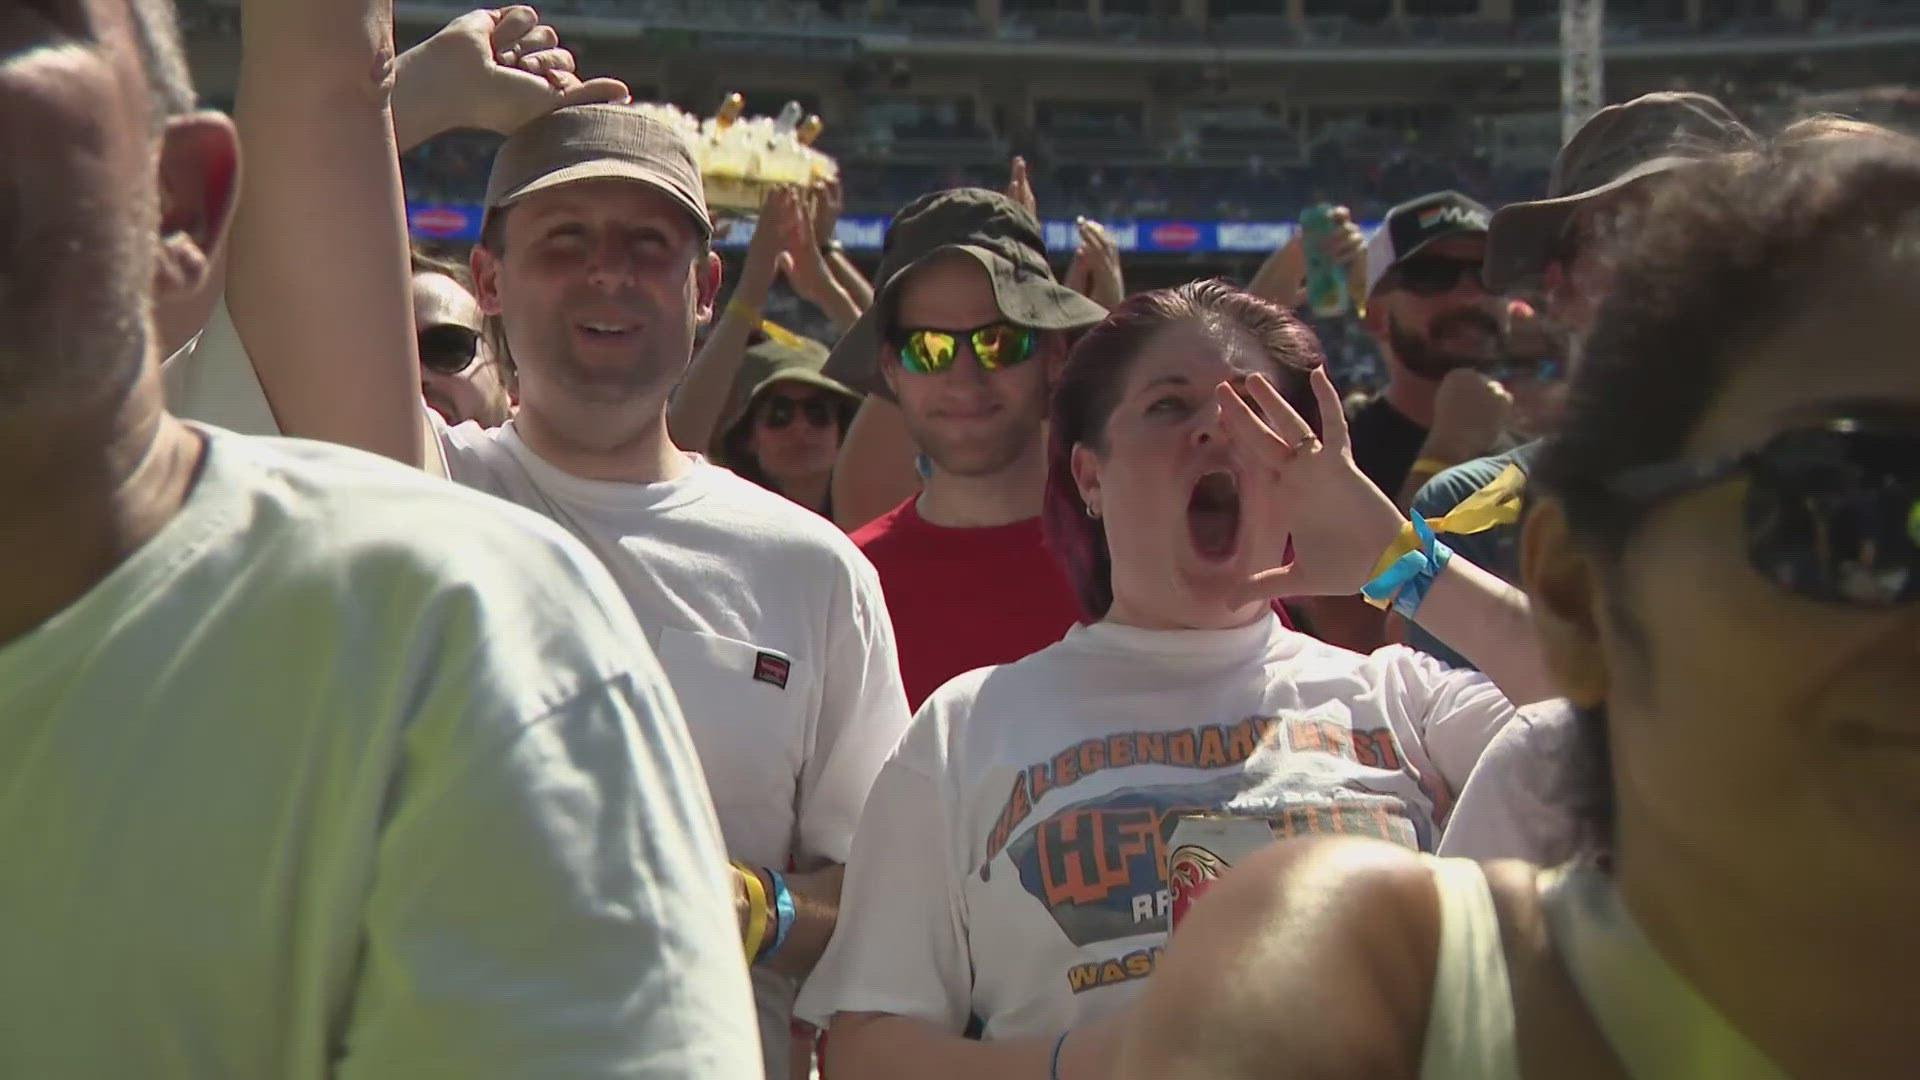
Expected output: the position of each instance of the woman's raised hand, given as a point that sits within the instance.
(1306, 490)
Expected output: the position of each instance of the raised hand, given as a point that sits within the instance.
(1302, 489)
(1470, 412)
(767, 256)
(1095, 273)
(812, 278)
(1020, 188)
(493, 69)
(828, 202)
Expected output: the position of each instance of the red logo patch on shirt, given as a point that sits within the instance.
(768, 668)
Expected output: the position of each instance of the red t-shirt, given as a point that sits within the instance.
(965, 598)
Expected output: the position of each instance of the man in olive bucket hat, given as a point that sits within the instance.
(1552, 247)
(966, 333)
(783, 422)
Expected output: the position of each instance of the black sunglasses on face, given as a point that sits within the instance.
(1832, 511)
(781, 410)
(448, 349)
(1433, 275)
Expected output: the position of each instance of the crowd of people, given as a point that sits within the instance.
(548, 664)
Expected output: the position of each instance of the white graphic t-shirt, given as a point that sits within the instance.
(1011, 860)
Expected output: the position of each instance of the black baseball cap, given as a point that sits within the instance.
(991, 228)
(1413, 225)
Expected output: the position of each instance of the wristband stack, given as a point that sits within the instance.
(770, 912)
(1404, 574)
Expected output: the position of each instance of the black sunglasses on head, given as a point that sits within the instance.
(448, 349)
(1433, 275)
(1832, 510)
(780, 411)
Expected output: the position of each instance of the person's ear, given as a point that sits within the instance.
(1086, 477)
(712, 274)
(486, 279)
(198, 177)
(1373, 315)
(1565, 584)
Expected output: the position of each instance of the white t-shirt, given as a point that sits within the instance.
(350, 773)
(1516, 804)
(772, 629)
(1011, 864)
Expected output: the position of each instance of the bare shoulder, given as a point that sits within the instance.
(1314, 959)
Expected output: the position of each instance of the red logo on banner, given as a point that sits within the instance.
(1175, 234)
(440, 221)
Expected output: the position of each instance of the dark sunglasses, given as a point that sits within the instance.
(1433, 275)
(448, 349)
(780, 411)
(1832, 511)
(995, 345)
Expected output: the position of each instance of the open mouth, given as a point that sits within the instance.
(1213, 515)
(606, 331)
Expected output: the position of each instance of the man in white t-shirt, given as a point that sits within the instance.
(310, 766)
(594, 269)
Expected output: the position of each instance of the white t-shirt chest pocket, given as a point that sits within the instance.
(746, 708)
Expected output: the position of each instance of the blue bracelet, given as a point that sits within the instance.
(1053, 1070)
(1409, 577)
(781, 899)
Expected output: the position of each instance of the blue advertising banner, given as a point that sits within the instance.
(460, 222)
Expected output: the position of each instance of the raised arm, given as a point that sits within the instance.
(1349, 525)
(319, 281)
(703, 394)
(875, 470)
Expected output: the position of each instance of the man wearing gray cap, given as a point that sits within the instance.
(594, 269)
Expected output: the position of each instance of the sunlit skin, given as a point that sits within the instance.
(1770, 758)
(476, 393)
(970, 421)
(1164, 434)
(799, 454)
(600, 287)
(1457, 328)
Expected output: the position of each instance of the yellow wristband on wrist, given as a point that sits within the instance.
(749, 312)
(1498, 503)
(1404, 542)
(757, 910)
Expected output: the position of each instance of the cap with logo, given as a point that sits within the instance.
(1413, 225)
(1617, 146)
(594, 142)
(997, 232)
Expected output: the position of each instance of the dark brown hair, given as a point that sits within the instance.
(1090, 387)
(1728, 253)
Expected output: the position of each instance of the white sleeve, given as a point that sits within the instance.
(863, 713)
(1515, 804)
(901, 945)
(1456, 712)
(554, 905)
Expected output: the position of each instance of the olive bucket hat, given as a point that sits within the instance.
(985, 225)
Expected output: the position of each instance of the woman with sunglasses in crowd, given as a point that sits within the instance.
(784, 433)
(1010, 863)
(1725, 572)
(459, 377)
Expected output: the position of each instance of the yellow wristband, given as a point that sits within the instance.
(749, 312)
(757, 910)
(1406, 541)
(1427, 466)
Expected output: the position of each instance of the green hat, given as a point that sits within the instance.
(994, 230)
(767, 363)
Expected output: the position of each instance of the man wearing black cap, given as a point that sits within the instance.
(1431, 317)
(966, 331)
(1551, 246)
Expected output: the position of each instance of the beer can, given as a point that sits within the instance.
(1204, 846)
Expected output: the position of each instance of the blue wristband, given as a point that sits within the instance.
(780, 899)
(1053, 1070)
(1408, 578)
